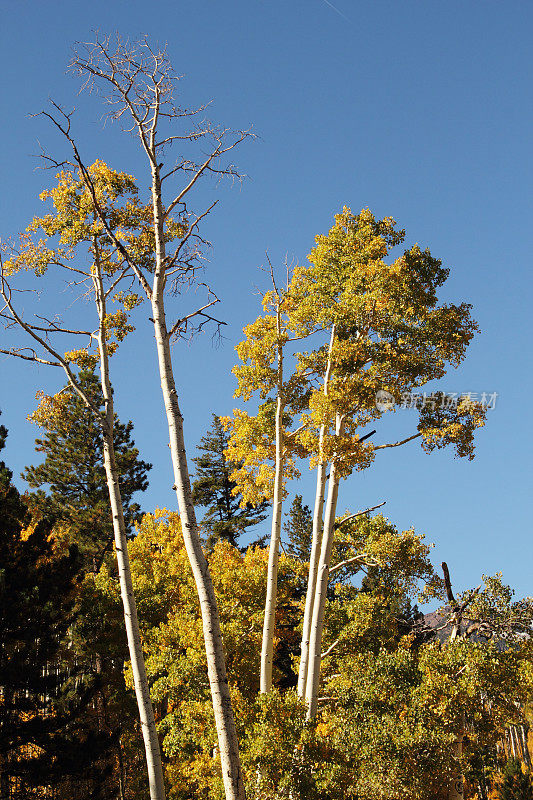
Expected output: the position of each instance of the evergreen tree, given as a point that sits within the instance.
(516, 784)
(299, 529)
(77, 495)
(73, 469)
(43, 738)
(213, 489)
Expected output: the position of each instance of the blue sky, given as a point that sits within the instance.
(419, 110)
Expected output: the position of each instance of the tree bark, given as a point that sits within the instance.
(456, 791)
(225, 724)
(527, 755)
(315, 545)
(121, 773)
(142, 690)
(319, 606)
(269, 621)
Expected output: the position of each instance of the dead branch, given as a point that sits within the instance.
(17, 353)
(398, 444)
(199, 312)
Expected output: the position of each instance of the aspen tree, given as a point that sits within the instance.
(263, 353)
(386, 334)
(391, 337)
(316, 537)
(138, 84)
(73, 235)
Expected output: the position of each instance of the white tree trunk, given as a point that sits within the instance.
(527, 756)
(456, 791)
(457, 787)
(315, 545)
(313, 570)
(269, 621)
(140, 680)
(319, 606)
(216, 668)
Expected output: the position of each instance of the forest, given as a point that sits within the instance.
(244, 643)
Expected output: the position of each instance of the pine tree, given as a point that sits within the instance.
(213, 489)
(73, 469)
(73, 472)
(299, 529)
(43, 738)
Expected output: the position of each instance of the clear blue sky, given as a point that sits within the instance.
(421, 110)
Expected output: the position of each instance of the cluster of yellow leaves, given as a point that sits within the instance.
(74, 236)
(252, 444)
(441, 426)
(117, 324)
(390, 335)
(390, 704)
(129, 300)
(82, 358)
(50, 409)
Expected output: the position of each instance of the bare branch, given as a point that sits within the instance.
(458, 609)
(470, 597)
(192, 232)
(398, 444)
(199, 312)
(33, 357)
(293, 433)
(53, 328)
(328, 651)
(191, 183)
(448, 586)
(272, 276)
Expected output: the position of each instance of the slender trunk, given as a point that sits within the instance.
(527, 756)
(313, 570)
(100, 700)
(121, 773)
(216, 668)
(315, 546)
(142, 690)
(319, 606)
(456, 791)
(269, 622)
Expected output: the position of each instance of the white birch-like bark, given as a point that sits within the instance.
(525, 746)
(319, 606)
(106, 423)
(142, 690)
(456, 791)
(269, 621)
(216, 668)
(316, 539)
(143, 96)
